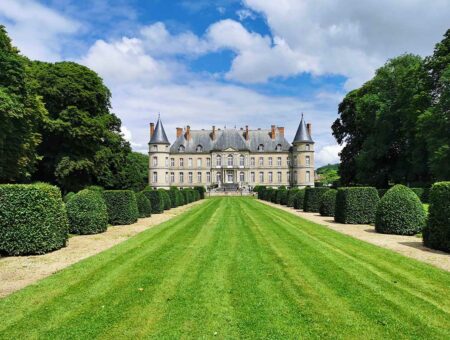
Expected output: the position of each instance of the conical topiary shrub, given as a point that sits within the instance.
(400, 212)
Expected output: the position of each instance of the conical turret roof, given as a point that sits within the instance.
(159, 136)
(302, 134)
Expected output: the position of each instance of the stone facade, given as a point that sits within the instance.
(231, 158)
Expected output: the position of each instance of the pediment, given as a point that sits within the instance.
(230, 149)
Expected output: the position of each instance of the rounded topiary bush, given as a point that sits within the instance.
(436, 234)
(400, 212)
(356, 205)
(180, 198)
(291, 196)
(299, 198)
(282, 196)
(328, 203)
(87, 213)
(381, 192)
(122, 206)
(174, 197)
(68, 196)
(201, 190)
(144, 205)
(156, 200)
(166, 199)
(33, 219)
(311, 202)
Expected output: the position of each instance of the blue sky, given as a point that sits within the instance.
(227, 62)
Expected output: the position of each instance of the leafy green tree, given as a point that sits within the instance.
(134, 174)
(20, 112)
(328, 173)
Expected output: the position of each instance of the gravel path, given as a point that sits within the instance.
(410, 246)
(17, 272)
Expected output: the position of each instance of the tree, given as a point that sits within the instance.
(328, 173)
(20, 113)
(134, 175)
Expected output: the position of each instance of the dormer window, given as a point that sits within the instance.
(199, 148)
(278, 147)
(181, 148)
(260, 147)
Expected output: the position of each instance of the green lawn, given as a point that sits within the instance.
(234, 267)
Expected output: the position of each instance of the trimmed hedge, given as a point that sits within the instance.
(201, 190)
(400, 212)
(174, 197)
(181, 198)
(311, 202)
(436, 234)
(166, 199)
(33, 219)
(156, 200)
(328, 203)
(144, 205)
(299, 199)
(68, 196)
(290, 197)
(381, 192)
(188, 197)
(122, 206)
(87, 213)
(356, 205)
(282, 196)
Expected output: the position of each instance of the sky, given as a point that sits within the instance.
(227, 62)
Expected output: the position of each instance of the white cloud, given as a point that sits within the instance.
(37, 30)
(328, 154)
(245, 13)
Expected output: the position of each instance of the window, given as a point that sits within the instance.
(242, 176)
(167, 162)
(219, 160)
(260, 147)
(278, 161)
(252, 177)
(208, 162)
(181, 148)
(241, 160)
(208, 177)
(190, 177)
(288, 161)
(181, 162)
(295, 177)
(199, 177)
(155, 177)
(230, 160)
(190, 162)
(172, 177)
(166, 178)
(278, 147)
(199, 162)
(270, 161)
(308, 177)
(155, 148)
(199, 148)
(270, 177)
(252, 161)
(172, 162)
(181, 177)
(288, 175)
(279, 176)
(261, 161)
(155, 161)
(307, 160)
(307, 147)
(218, 177)
(261, 177)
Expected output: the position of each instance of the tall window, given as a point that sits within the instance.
(230, 160)
(155, 177)
(181, 162)
(172, 177)
(242, 176)
(199, 162)
(288, 161)
(288, 175)
(261, 161)
(172, 162)
(219, 160)
(270, 161)
(155, 161)
(167, 162)
(181, 148)
(261, 177)
(307, 147)
(279, 176)
(218, 177)
(241, 160)
(252, 161)
(252, 177)
(307, 160)
(190, 177)
(270, 177)
(278, 161)
(199, 148)
(166, 178)
(208, 162)
(190, 162)
(208, 177)
(199, 177)
(181, 177)
(155, 147)
(308, 177)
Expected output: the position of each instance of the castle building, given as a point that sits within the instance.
(231, 158)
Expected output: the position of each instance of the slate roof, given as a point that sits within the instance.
(159, 136)
(302, 134)
(230, 138)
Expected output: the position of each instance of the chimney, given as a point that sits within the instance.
(152, 129)
(213, 133)
(281, 131)
(179, 132)
(246, 133)
(308, 127)
(188, 132)
(272, 134)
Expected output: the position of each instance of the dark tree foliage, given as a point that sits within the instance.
(134, 173)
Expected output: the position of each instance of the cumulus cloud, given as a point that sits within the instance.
(38, 30)
(328, 154)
